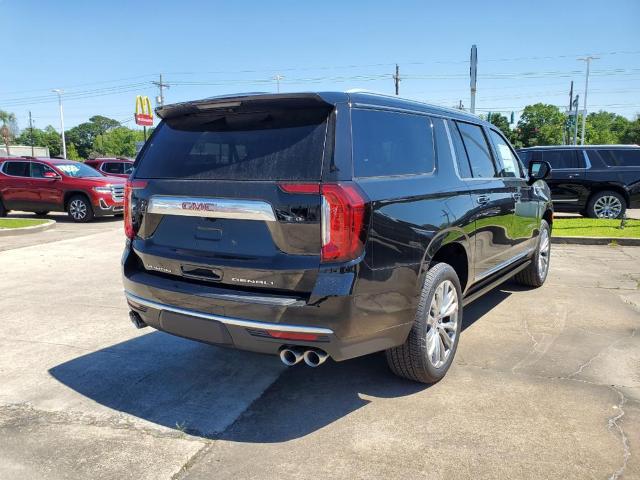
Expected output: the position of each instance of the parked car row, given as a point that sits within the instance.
(83, 190)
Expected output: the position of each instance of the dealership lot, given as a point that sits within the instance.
(547, 379)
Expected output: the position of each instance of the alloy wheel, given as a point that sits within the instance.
(78, 209)
(442, 323)
(543, 253)
(607, 206)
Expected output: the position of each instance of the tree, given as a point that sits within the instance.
(541, 124)
(501, 122)
(631, 134)
(118, 142)
(9, 128)
(48, 137)
(604, 128)
(84, 135)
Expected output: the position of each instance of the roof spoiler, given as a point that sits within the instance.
(243, 101)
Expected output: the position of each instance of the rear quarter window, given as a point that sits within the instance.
(391, 144)
(620, 158)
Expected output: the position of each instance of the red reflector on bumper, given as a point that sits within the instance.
(292, 335)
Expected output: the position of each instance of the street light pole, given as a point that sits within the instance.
(59, 91)
(277, 78)
(586, 88)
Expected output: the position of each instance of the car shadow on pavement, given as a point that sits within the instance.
(61, 217)
(204, 390)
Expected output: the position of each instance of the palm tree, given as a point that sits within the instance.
(8, 128)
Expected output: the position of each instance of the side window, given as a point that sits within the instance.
(559, 159)
(38, 169)
(508, 159)
(111, 167)
(386, 144)
(478, 151)
(128, 168)
(17, 169)
(621, 158)
(464, 169)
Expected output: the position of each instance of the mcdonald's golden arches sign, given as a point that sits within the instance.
(144, 114)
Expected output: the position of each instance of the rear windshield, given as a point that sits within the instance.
(273, 145)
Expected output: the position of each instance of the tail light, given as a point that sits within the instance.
(342, 218)
(128, 213)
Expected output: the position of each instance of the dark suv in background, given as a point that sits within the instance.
(599, 181)
(328, 224)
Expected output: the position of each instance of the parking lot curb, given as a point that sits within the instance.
(10, 232)
(596, 241)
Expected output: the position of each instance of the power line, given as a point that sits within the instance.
(335, 67)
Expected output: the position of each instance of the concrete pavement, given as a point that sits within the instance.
(546, 383)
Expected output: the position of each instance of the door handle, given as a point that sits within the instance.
(482, 199)
(574, 175)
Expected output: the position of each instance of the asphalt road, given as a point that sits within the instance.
(546, 383)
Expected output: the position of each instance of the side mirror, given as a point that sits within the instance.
(51, 175)
(538, 170)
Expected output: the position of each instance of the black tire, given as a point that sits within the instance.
(412, 359)
(3, 211)
(600, 197)
(42, 213)
(537, 271)
(79, 209)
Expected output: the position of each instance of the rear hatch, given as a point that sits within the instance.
(227, 193)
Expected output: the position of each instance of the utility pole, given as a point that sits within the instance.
(31, 133)
(567, 131)
(576, 103)
(161, 86)
(473, 76)
(277, 78)
(396, 79)
(59, 91)
(586, 88)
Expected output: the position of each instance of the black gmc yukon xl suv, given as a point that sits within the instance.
(598, 181)
(328, 224)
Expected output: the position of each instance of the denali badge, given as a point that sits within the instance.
(158, 269)
(199, 206)
(268, 283)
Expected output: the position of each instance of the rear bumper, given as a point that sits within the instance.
(249, 321)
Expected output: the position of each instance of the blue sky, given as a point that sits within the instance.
(105, 53)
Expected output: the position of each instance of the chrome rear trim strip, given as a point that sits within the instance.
(211, 208)
(228, 320)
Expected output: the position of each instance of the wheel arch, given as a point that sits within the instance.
(451, 246)
(72, 193)
(611, 188)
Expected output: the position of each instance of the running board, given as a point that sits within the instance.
(490, 286)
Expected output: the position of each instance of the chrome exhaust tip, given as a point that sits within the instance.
(315, 358)
(290, 356)
(136, 319)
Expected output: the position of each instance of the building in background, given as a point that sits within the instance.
(24, 151)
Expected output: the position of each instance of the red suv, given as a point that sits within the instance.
(116, 167)
(42, 185)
